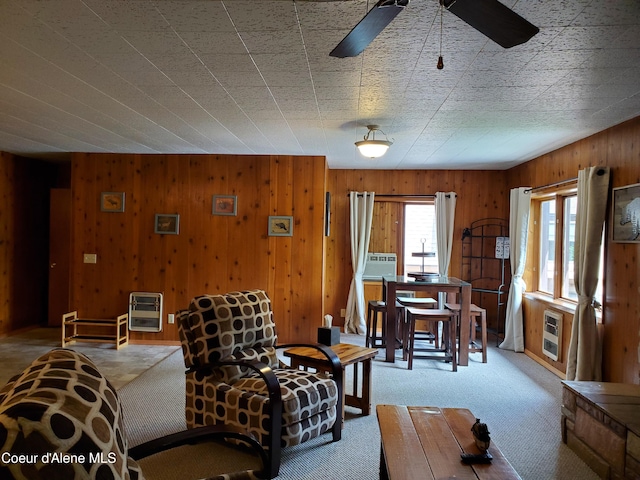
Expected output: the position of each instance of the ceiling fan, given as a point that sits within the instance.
(489, 17)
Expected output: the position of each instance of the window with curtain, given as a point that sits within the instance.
(420, 233)
(554, 215)
(399, 225)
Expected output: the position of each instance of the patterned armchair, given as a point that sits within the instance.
(234, 376)
(61, 419)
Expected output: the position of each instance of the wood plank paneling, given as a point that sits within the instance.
(618, 148)
(212, 253)
(473, 203)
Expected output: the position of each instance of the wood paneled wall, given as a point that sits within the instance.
(24, 239)
(216, 254)
(618, 148)
(212, 253)
(481, 194)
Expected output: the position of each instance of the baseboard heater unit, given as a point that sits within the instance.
(552, 334)
(145, 312)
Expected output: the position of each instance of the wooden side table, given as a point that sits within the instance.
(348, 354)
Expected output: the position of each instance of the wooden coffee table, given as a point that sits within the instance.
(348, 354)
(426, 442)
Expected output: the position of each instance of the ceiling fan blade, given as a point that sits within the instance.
(493, 19)
(368, 28)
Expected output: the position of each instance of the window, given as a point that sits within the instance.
(555, 234)
(546, 263)
(419, 236)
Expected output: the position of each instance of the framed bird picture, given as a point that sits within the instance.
(167, 224)
(225, 205)
(280, 226)
(112, 201)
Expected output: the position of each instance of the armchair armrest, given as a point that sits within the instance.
(332, 358)
(193, 436)
(337, 372)
(199, 435)
(272, 463)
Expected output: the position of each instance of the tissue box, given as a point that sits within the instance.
(329, 335)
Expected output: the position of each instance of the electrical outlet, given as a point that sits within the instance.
(343, 312)
(90, 258)
(171, 318)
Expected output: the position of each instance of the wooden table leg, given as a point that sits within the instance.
(465, 324)
(389, 296)
(366, 386)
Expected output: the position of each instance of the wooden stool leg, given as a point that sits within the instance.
(453, 335)
(410, 339)
(405, 335)
(367, 335)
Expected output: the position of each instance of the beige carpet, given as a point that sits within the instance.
(517, 398)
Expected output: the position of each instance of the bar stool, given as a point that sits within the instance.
(475, 312)
(447, 351)
(375, 308)
(419, 302)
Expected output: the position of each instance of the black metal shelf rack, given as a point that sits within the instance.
(488, 274)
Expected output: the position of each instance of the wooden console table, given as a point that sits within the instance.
(76, 329)
(349, 355)
(601, 422)
(426, 442)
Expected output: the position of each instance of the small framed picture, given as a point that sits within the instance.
(225, 205)
(280, 226)
(626, 214)
(167, 224)
(112, 202)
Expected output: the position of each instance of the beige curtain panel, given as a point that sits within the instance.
(585, 350)
(360, 219)
(445, 220)
(519, 210)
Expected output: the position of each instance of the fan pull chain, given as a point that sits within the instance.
(440, 64)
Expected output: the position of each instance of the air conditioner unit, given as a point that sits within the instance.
(552, 334)
(379, 264)
(145, 312)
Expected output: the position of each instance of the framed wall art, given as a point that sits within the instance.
(112, 202)
(280, 226)
(225, 205)
(626, 214)
(167, 224)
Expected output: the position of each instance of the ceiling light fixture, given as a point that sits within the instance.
(373, 148)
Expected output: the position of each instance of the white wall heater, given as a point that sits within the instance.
(379, 264)
(145, 312)
(552, 334)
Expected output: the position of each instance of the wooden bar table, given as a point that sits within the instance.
(457, 291)
(426, 443)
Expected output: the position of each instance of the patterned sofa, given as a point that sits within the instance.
(234, 376)
(61, 419)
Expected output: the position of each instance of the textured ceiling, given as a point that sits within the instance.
(255, 77)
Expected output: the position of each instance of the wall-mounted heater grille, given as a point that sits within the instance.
(145, 311)
(552, 334)
(379, 264)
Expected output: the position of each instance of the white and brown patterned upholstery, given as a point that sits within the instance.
(238, 328)
(62, 405)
